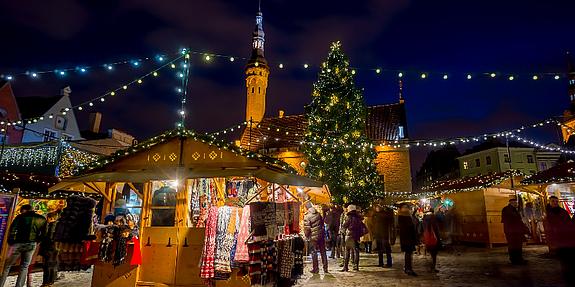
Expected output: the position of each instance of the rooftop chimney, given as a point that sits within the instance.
(281, 113)
(95, 121)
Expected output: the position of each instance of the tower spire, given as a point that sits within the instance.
(258, 40)
(257, 72)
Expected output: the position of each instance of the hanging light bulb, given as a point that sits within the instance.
(173, 66)
(207, 57)
(378, 71)
(112, 93)
(125, 87)
(556, 77)
(139, 81)
(305, 66)
(102, 99)
(511, 78)
(423, 76)
(469, 76)
(445, 77)
(492, 75)
(155, 74)
(232, 59)
(535, 78)
(34, 75)
(400, 74)
(281, 66)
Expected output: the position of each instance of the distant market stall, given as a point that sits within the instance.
(476, 204)
(28, 170)
(558, 181)
(199, 204)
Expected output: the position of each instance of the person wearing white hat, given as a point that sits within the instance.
(354, 229)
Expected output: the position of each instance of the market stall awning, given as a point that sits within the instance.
(183, 154)
(561, 173)
(474, 183)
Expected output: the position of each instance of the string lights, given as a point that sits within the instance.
(111, 93)
(377, 70)
(279, 131)
(82, 69)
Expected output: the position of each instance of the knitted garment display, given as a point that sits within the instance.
(208, 256)
(223, 242)
(242, 254)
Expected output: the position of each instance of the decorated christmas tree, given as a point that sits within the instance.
(336, 144)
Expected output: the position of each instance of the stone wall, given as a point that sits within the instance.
(394, 165)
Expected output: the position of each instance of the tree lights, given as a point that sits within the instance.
(337, 114)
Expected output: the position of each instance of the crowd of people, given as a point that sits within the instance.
(347, 230)
(559, 232)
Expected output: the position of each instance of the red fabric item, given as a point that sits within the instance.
(137, 254)
(90, 254)
(207, 269)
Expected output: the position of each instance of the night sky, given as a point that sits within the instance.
(457, 37)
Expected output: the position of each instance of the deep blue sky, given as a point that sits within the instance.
(458, 37)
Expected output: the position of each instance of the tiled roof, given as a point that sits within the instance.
(561, 173)
(31, 107)
(382, 124)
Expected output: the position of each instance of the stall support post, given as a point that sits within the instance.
(109, 198)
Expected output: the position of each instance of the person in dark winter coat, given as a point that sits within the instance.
(25, 231)
(383, 232)
(560, 231)
(431, 237)
(515, 231)
(333, 223)
(354, 229)
(314, 230)
(407, 236)
(49, 252)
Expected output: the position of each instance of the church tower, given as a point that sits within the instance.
(257, 72)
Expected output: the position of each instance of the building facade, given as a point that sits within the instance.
(496, 160)
(280, 136)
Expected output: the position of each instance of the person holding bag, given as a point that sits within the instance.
(354, 229)
(431, 237)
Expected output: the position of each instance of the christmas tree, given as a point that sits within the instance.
(336, 144)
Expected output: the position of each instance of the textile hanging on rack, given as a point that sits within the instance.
(242, 254)
(207, 270)
(222, 253)
(234, 246)
(225, 239)
(285, 258)
(298, 246)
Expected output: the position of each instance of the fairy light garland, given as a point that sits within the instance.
(85, 69)
(377, 70)
(180, 132)
(103, 97)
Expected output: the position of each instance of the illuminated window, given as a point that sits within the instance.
(401, 133)
(465, 165)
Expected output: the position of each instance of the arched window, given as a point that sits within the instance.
(253, 90)
(259, 90)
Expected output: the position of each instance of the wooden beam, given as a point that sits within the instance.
(131, 185)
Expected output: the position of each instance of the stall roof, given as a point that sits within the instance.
(561, 173)
(470, 183)
(185, 154)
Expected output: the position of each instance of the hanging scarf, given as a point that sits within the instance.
(207, 265)
(234, 246)
(242, 254)
(222, 251)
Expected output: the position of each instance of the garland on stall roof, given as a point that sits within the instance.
(187, 134)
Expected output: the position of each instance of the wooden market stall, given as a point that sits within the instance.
(558, 181)
(477, 203)
(164, 173)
